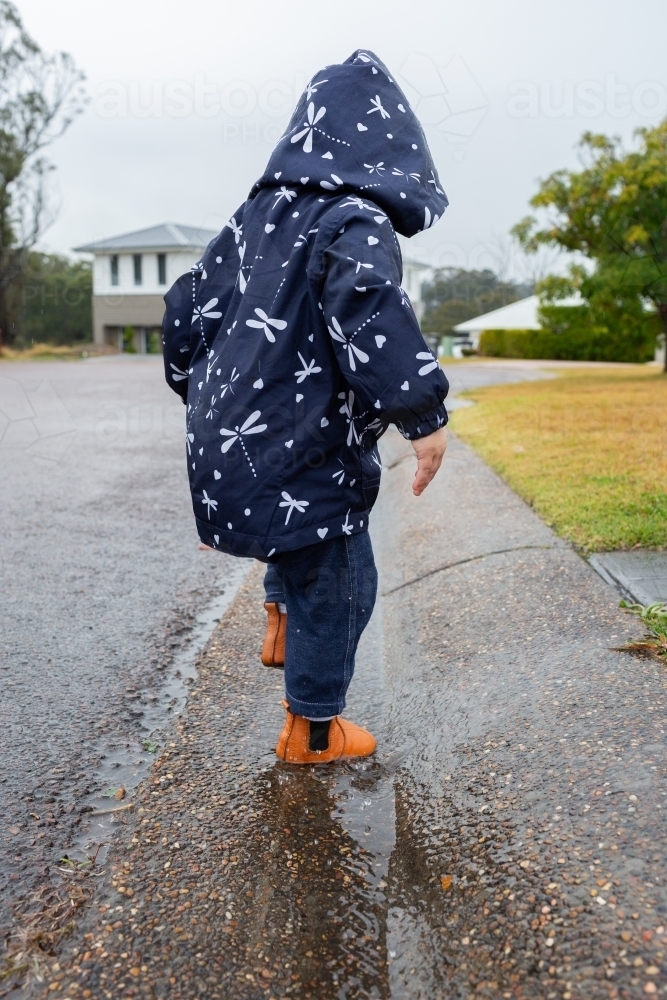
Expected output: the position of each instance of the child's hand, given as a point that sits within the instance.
(430, 452)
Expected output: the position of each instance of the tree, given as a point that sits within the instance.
(614, 213)
(52, 302)
(40, 95)
(455, 295)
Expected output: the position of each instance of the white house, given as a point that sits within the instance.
(520, 315)
(131, 273)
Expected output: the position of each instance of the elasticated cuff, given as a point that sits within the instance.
(421, 426)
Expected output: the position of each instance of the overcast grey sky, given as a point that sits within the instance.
(187, 99)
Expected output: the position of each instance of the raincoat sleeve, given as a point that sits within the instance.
(176, 332)
(374, 331)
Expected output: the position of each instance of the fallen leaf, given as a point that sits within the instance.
(446, 881)
(119, 793)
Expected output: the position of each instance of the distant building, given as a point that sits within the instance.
(131, 273)
(520, 315)
(415, 274)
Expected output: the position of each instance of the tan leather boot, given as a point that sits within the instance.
(345, 740)
(273, 650)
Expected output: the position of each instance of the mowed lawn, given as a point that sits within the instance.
(588, 450)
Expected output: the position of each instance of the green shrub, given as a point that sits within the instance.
(570, 339)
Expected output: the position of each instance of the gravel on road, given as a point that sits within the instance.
(101, 585)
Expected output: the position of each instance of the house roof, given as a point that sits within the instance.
(520, 315)
(166, 236)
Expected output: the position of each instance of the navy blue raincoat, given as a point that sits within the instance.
(292, 341)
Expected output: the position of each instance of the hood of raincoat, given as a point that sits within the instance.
(292, 341)
(354, 131)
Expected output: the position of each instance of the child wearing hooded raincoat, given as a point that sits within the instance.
(294, 346)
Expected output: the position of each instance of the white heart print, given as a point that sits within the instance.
(372, 240)
(259, 384)
(405, 386)
(380, 340)
(322, 532)
(269, 227)
(216, 474)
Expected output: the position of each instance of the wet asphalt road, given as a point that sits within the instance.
(101, 581)
(508, 839)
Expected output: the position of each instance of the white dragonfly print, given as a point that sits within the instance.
(352, 350)
(265, 323)
(206, 311)
(209, 502)
(347, 525)
(189, 441)
(210, 365)
(292, 504)
(359, 264)
(177, 374)
(377, 106)
(309, 368)
(242, 278)
(211, 409)
(328, 186)
(358, 202)
(433, 181)
(400, 173)
(346, 410)
(431, 365)
(284, 192)
(249, 426)
(236, 228)
(312, 118)
(311, 88)
(339, 474)
(230, 383)
(376, 168)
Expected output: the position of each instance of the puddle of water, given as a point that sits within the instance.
(126, 766)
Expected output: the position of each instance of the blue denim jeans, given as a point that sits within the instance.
(329, 590)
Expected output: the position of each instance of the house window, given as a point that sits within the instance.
(114, 268)
(137, 268)
(162, 269)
